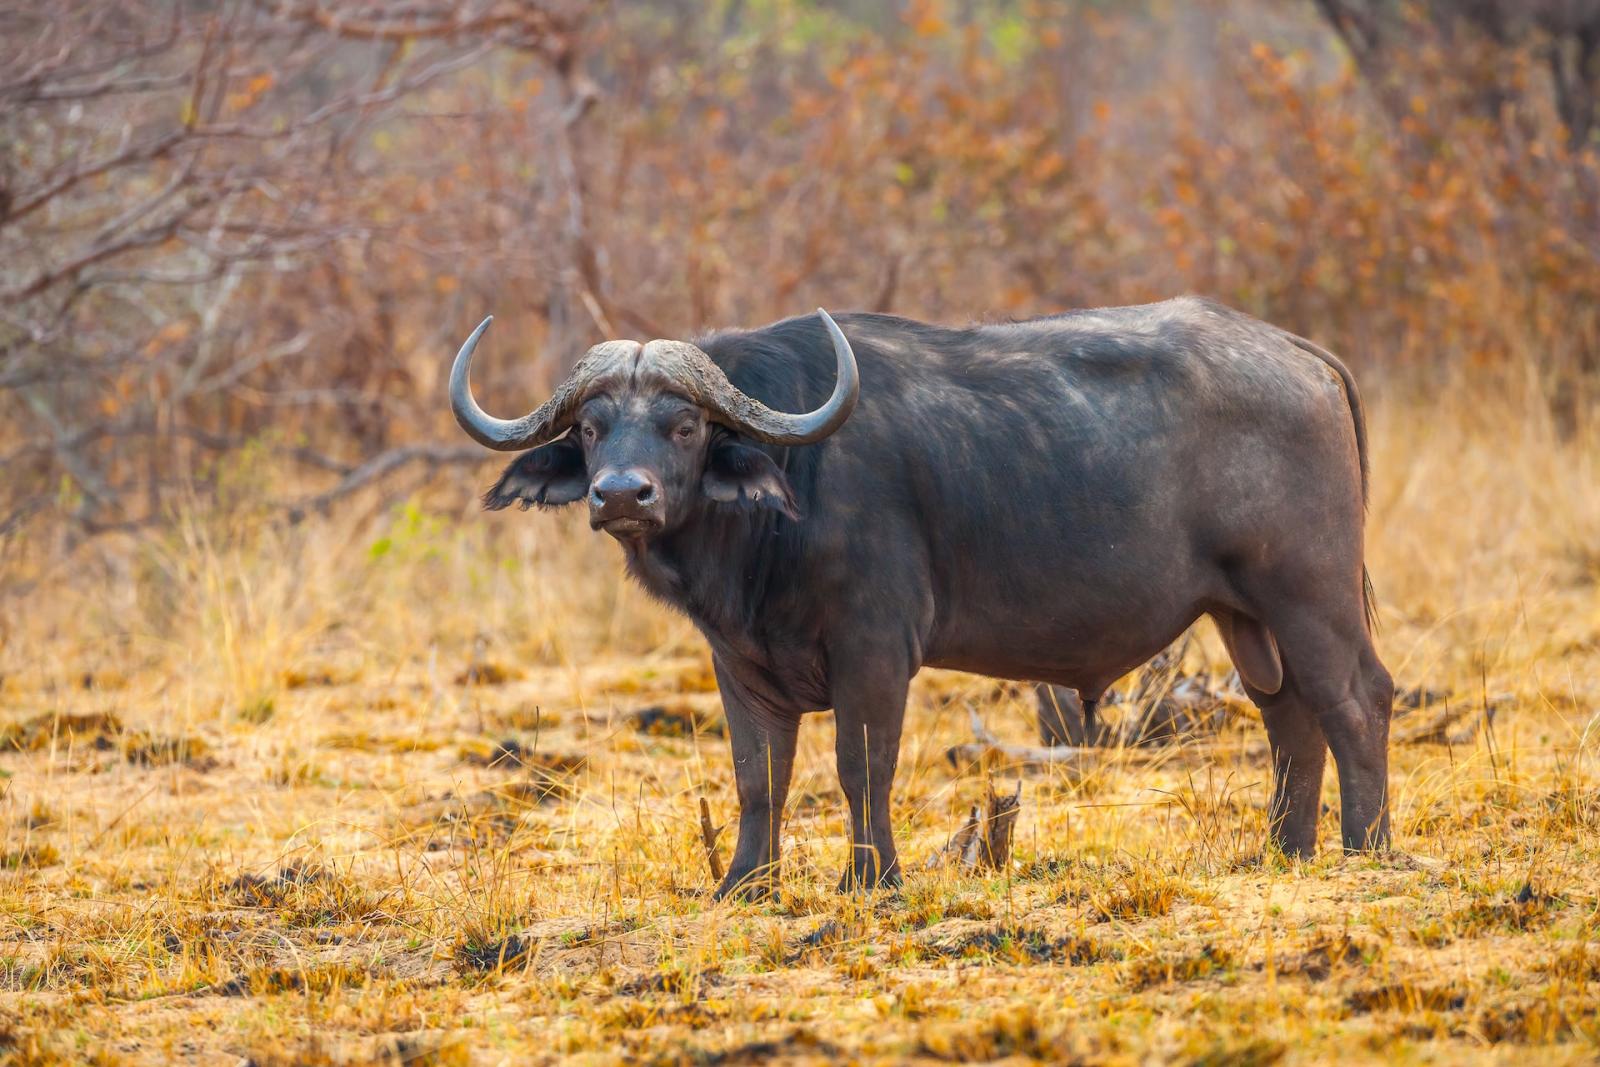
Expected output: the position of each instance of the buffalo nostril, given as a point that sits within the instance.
(626, 489)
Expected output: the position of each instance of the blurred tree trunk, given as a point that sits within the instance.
(1471, 50)
(1567, 33)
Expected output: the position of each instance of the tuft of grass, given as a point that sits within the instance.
(95, 729)
(105, 731)
(157, 750)
(1246, 1052)
(481, 950)
(260, 709)
(676, 720)
(305, 893)
(1138, 893)
(1575, 964)
(392, 1050)
(1014, 1031)
(33, 854)
(321, 979)
(1167, 969)
(1328, 954)
(1003, 944)
(366, 741)
(1407, 996)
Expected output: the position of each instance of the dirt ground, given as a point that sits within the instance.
(379, 790)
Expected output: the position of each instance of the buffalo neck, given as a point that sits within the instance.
(719, 570)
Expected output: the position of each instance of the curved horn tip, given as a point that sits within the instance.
(472, 340)
(833, 328)
(479, 425)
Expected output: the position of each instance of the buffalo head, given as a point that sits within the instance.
(644, 432)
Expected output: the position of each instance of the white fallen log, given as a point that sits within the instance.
(1076, 759)
(1071, 757)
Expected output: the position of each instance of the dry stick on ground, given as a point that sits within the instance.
(984, 842)
(708, 834)
(999, 825)
(960, 842)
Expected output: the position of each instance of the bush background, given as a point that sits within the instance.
(268, 224)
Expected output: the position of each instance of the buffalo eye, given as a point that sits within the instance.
(589, 433)
(684, 431)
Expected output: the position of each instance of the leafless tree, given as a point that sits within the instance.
(167, 161)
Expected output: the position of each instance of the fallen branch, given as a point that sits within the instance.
(1163, 706)
(1071, 757)
(1076, 759)
(383, 464)
(709, 834)
(1437, 731)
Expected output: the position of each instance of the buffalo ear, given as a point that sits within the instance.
(739, 474)
(546, 477)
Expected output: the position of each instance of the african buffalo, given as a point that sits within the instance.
(1051, 500)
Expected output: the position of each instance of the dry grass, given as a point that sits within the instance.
(376, 791)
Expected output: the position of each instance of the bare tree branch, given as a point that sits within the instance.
(180, 163)
(381, 466)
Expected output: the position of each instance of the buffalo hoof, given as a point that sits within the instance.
(1280, 855)
(861, 881)
(1392, 859)
(747, 886)
(1288, 853)
(1377, 844)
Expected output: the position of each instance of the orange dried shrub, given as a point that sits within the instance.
(677, 170)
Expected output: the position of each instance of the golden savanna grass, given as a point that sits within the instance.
(370, 790)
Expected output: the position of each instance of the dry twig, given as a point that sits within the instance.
(709, 834)
(984, 841)
(1440, 730)
(1070, 757)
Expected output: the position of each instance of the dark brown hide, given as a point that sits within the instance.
(1052, 500)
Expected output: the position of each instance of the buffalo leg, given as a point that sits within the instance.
(869, 710)
(1358, 732)
(763, 763)
(1060, 715)
(1333, 673)
(1299, 754)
